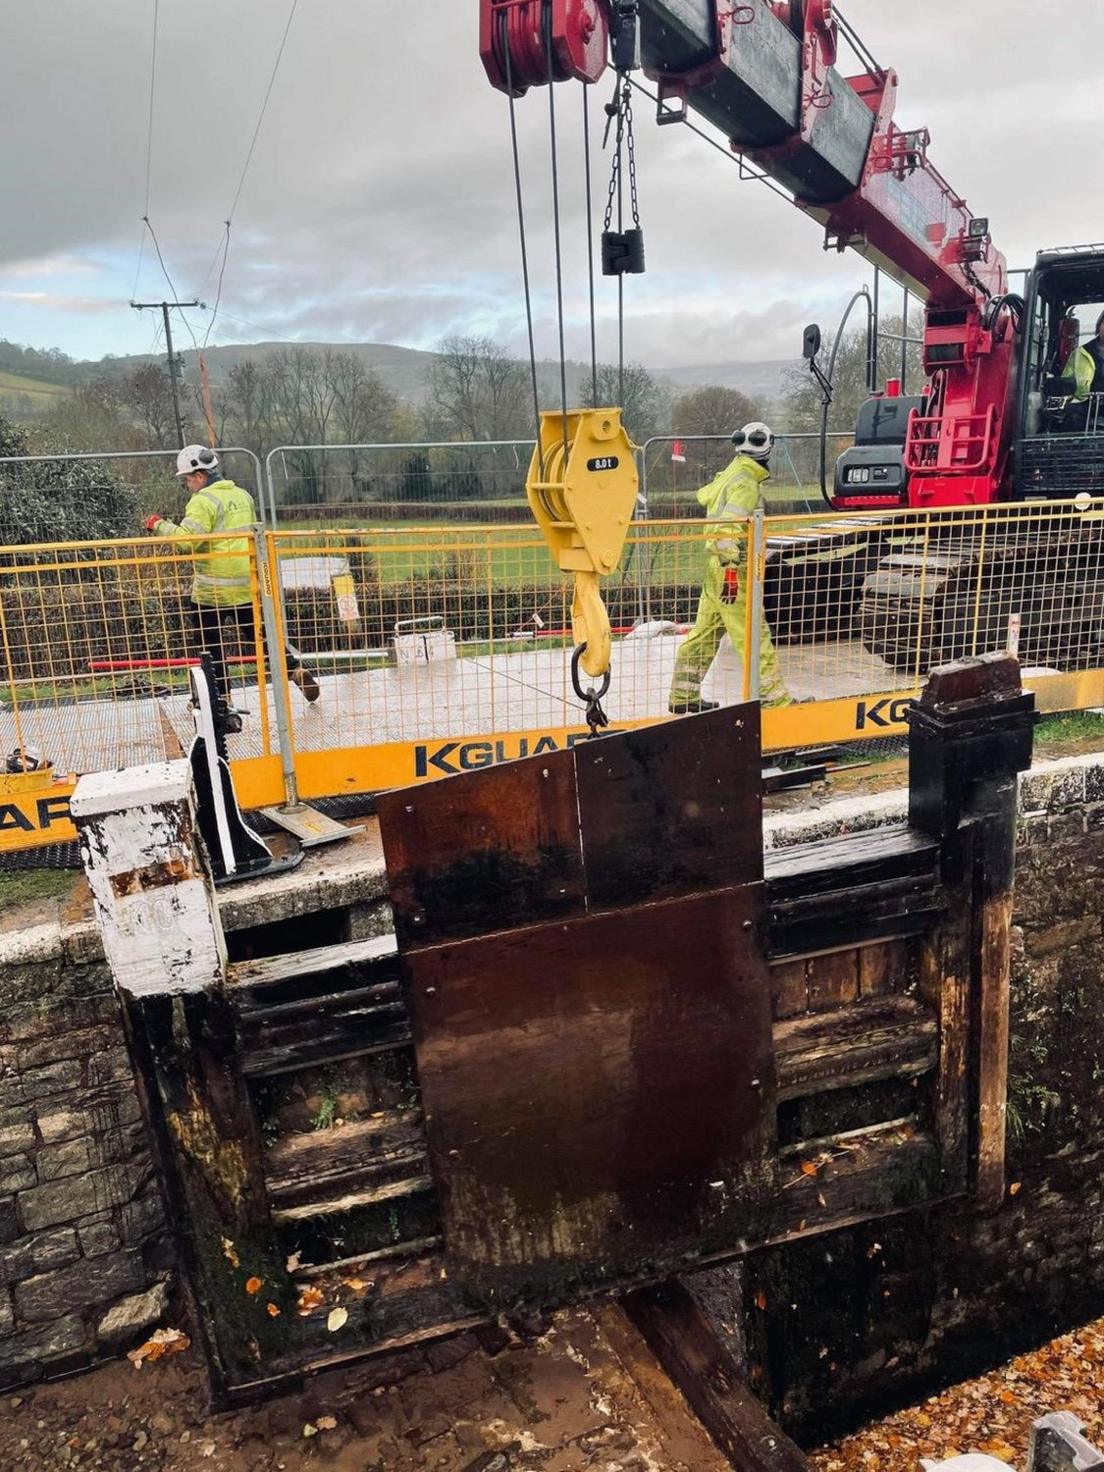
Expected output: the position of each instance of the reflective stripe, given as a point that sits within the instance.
(193, 526)
(208, 577)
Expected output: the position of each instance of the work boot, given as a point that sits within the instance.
(692, 707)
(307, 682)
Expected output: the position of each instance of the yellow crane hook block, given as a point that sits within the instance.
(582, 489)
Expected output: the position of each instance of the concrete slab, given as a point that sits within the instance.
(472, 695)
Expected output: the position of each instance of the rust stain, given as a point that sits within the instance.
(153, 876)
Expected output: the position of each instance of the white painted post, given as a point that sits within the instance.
(154, 898)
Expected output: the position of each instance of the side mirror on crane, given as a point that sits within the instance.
(811, 343)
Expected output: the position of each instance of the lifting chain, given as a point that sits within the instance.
(622, 250)
(592, 698)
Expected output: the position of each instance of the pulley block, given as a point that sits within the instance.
(623, 252)
(516, 38)
(582, 489)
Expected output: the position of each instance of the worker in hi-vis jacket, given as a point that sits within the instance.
(729, 499)
(222, 587)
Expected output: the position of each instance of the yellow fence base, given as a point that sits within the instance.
(39, 815)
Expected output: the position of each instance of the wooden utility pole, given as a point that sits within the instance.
(173, 367)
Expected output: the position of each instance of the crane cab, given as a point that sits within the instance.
(1059, 449)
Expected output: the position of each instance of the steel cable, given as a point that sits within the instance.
(521, 234)
(556, 224)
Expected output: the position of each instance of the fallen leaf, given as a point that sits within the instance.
(808, 1168)
(1014, 1190)
(160, 1342)
(337, 1319)
(310, 1430)
(327, 1423)
(357, 1285)
(820, 1200)
(206, 1448)
(254, 1285)
(309, 1299)
(293, 1262)
(272, 1311)
(229, 1252)
(760, 1300)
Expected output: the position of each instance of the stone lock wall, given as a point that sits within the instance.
(83, 1254)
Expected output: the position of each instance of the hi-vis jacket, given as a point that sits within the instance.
(729, 497)
(221, 562)
(1087, 368)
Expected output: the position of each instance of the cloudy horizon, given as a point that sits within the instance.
(379, 202)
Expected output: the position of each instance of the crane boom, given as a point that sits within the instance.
(764, 72)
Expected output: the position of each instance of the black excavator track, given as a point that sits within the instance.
(917, 594)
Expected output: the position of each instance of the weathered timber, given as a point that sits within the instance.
(349, 1028)
(297, 977)
(789, 988)
(970, 734)
(304, 1169)
(693, 1355)
(885, 1037)
(833, 979)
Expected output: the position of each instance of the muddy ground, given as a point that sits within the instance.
(584, 1395)
(587, 1394)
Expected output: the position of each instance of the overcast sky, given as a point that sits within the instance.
(379, 203)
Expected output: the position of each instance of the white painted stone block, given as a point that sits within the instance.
(154, 900)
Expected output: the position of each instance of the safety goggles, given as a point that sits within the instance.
(756, 440)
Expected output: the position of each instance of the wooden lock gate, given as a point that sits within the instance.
(609, 1042)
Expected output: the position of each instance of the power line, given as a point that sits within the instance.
(218, 293)
(225, 246)
(169, 280)
(264, 107)
(149, 144)
(260, 327)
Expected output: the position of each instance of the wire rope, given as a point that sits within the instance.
(556, 225)
(149, 146)
(590, 247)
(521, 234)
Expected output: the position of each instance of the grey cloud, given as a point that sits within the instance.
(379, 203)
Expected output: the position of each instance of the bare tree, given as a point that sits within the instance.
(713, 409)
(645, 404)
(147, 391)
(365, 409)
(477, 390)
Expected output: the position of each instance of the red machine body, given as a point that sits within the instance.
(893, 205)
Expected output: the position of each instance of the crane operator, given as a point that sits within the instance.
(1085, 365)
(729, 499)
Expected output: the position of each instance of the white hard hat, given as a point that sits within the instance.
(755, 439)
(196, 457)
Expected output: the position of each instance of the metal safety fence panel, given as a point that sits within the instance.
(436, 483)
(674, 467)
(862, 607)
(444, 649)
(440, 650)
(70, 497)
(95, 643)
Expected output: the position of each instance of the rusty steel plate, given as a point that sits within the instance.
(672, 809)
(484, 851)
(598, 1093)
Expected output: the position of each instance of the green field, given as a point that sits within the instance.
(15, 383)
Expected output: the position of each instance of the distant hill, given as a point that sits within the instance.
(764, 381)
(404, 370)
